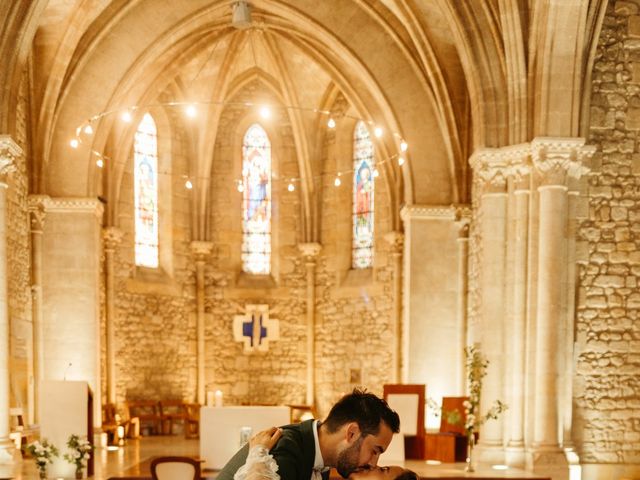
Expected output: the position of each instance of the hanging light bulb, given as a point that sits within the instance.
(265, 112)
(375, 173)
(331, 123)
(337, 181)
(403, 146)
(240, 186)
(188, 185)
(291, 187)
(126, 116)
(88, 130)
(74, 143)
(191, 111)
(99, 163)
(377, 132)
(400, 161)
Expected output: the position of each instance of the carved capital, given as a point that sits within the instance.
(37, 213)
(491, 169)
(112, 237)
(557, 160)
(74, 205)
(310, 251)
(201, 250)
(395, 241)
(428, 212)
(10, 151)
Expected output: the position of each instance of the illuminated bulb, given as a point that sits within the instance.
(188, 185)
(126, 117)
(191, 111)
(337, 182)
(375, 173)
(265, 112)
(291, 187)
(240, 187)
(331, 123)
(377, 132)
(400, 161)
(74, 143)
(403, 146)
(99, 163)
(88, 130)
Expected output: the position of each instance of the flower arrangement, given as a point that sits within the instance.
(80, 451)
(43, 453)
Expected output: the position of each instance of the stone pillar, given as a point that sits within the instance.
(200, 251)
(556, 161)
(71, 247)
(9, 152)
(36, 217)
(463, 292)
(112, 237)
(518, 241)
(490, 167)
(310, 252)
(396, 242)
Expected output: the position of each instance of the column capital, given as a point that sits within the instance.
(73, 205)
(112, 237)
(558, 159)
(395, 240)
(201, 250)
(310, 251)
(491, 169)
(10, 151)
(428, 212)
(37, 213)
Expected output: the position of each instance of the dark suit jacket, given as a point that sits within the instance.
(295, 454)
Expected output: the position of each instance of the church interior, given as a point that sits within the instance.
(272, 202)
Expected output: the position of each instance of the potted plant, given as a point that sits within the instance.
(79, 453)
(43, 453)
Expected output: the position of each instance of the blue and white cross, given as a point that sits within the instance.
(255, 329)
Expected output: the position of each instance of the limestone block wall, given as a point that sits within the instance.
(607, 390)
(18, 262)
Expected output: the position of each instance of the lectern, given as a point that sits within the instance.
(66, 408)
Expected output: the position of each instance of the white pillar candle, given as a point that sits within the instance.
(218, 396)
(210, 399)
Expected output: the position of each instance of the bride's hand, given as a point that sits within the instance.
(266, 438)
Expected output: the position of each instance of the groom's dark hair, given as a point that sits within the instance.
(365, 408)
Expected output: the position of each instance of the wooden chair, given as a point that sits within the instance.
(191, 420)
(174, 468)
(302, 412)
(409, 400)
(450, 443)
(171, 411)
(148, 414)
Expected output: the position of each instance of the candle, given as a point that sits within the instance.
(218, 398)
(210, 399)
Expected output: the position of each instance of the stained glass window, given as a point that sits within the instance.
(363, 189)
(256, 204)
(145, 178)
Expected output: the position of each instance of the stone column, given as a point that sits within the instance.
(36, 217)
(310, 252)
(9, 152)
(519, 176)
(556, 161)
(396, 242)
(112, 237)
(490, 170)
(200, 251)
(71, 248)
(463, 292)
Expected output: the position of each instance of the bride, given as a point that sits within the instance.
(260, 465)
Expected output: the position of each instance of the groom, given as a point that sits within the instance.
(358, 429)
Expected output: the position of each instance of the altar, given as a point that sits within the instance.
(223, 430)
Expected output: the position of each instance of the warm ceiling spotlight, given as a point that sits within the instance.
(126, 116)
(377, 132)
(74, 143)
(291, 187)
(337, 182)
(403, 146)
(99, 163)
(331, 123)
(265, 112)
(400, 161)
(191, 111)
(188, 185)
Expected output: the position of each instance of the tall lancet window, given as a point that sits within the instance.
(363, 189)
(256, 204)
(145, 178)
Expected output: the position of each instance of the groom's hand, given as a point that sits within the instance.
(266, 438)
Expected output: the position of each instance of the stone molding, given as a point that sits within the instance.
(434, 212)
(558, 158)
(112, 237)
(395, 240)
(310, 251)
(201, 250)
(73, 205)
(37, 213)
(10, 151)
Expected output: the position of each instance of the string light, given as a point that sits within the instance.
(375, 173)
(377, 132)
(403, 146)
(99, 163)
(88, 130)
(74, 143)
(400, 161)
(291, 187)
(337, 181)
(331, 123)
(240, 186)
(188, 185)
(126, 116)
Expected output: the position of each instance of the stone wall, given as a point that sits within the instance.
(607, 393)
(19, 263)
